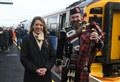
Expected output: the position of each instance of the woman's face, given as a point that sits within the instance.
(38, 27)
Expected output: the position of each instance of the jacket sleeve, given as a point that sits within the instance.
(100, 44)
(24, 58)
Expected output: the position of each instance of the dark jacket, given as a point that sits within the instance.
(1, 37)
(33, 58)
(18, 32)
(63, 45)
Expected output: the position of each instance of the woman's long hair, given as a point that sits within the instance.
(33, 21)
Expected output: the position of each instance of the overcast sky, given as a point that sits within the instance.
(27, 9)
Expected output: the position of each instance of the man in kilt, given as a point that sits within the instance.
(77, 48)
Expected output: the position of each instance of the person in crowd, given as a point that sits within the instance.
(77, 48)
(1, 38)
(10, 35)
(18, 35)
(14, 34)
(6, 38)
(23, 32)
(37, 54)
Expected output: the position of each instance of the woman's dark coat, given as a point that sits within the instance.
(33, 58)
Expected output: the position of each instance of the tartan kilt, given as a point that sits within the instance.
(84, 76)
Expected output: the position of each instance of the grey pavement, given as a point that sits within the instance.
(11, 69)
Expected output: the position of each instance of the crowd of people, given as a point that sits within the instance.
(10, 34)
(20, 33)
(6, 37)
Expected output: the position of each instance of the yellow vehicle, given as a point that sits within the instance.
(107, 14)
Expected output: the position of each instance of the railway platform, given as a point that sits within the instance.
(11, 70)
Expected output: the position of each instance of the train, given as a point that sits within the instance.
(107, 14)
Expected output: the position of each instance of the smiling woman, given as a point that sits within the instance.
(37, 53)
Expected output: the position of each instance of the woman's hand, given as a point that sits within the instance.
(41, 71)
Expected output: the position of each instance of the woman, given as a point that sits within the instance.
(37, 53)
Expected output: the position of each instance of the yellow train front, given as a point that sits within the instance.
(107, 14)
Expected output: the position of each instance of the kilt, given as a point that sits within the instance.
(84, 76)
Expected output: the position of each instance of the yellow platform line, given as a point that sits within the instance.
(16, 45)
(53, 81)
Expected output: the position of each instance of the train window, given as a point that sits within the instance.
(97, 10)
(53, 29)
(96, 19)
(53, 19)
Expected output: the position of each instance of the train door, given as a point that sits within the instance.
(62, 20)
(111, 51)
(115, 47)
(53, 26)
